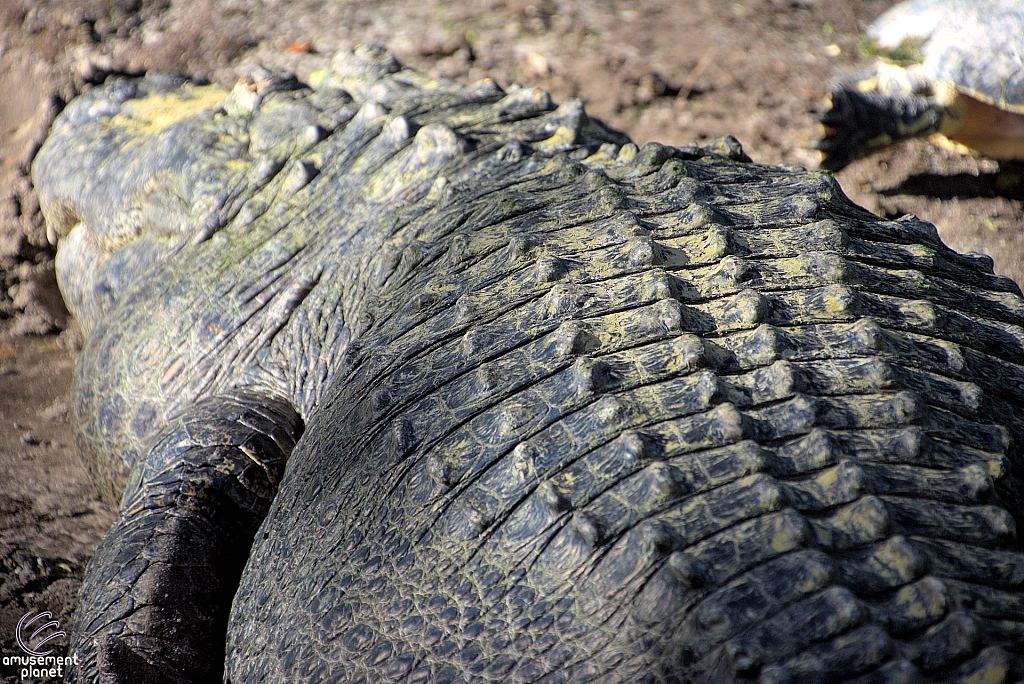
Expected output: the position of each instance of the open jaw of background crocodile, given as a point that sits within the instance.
(553, 408)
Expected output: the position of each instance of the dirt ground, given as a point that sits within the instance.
(659, 69)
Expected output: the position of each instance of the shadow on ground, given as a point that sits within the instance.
(1008, 184)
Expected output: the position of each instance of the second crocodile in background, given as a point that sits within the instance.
(409, 381)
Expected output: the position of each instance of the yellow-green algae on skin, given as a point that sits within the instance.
(895, 561)
(786, 536)
(562, 137)
(864, 520)
(921, 600)
(149, 115)
(992, 672)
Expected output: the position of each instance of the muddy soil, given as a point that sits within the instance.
(658, 69)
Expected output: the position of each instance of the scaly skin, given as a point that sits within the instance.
(565, 410)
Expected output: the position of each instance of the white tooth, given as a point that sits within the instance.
(51, 235)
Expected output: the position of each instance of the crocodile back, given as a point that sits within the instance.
(650, 415)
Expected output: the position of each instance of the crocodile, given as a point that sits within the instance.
(401, 379)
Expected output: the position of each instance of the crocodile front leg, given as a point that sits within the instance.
(156, 595)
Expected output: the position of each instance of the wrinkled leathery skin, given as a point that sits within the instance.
(187, 521)
(573, 411)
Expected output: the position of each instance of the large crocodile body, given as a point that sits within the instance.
(467, 388)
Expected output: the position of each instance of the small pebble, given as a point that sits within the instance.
(58, 409)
